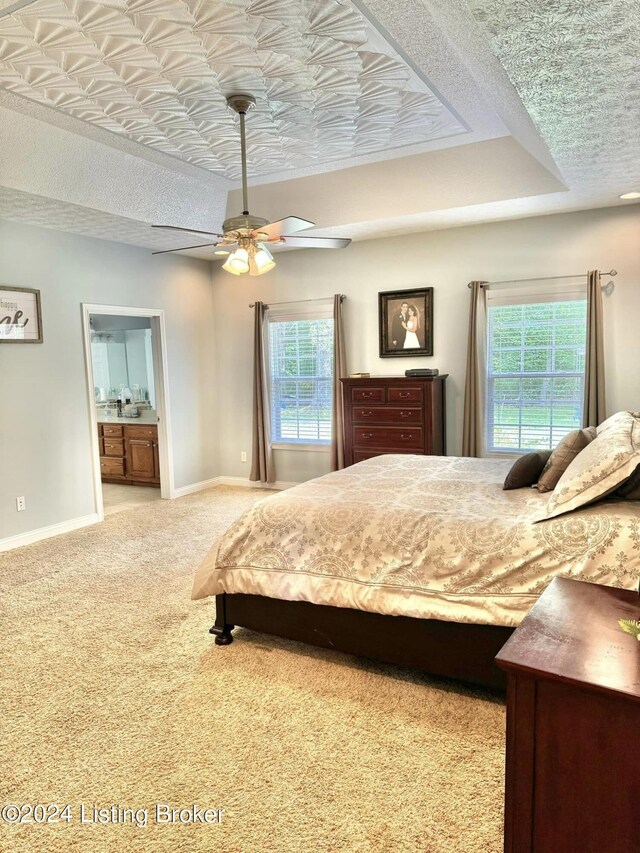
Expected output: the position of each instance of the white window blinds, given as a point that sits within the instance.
(300, 345)
(535, 366)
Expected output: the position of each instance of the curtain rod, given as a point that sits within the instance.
(295, 301)
(544, 278)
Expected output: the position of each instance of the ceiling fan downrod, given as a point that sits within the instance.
(241, 104)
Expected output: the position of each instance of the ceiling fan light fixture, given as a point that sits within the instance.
(238, 262)
(261, 260)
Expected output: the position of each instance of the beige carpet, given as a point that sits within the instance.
(113, 693)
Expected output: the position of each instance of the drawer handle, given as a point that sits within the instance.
(366, 414)
(404, 394)
(406, 436)
(366, 394)
(405, 414)
(367, 435)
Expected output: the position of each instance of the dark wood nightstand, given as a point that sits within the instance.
(573, 724)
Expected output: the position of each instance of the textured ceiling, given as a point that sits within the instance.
(51, 213)
(84, 82)
(575, 65)
(157, 72)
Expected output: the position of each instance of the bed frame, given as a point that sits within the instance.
(451, 649)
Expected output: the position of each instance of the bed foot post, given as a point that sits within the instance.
(224, 637)
(222, 629)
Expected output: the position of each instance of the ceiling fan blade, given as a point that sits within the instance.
(285, 226)
(317, 242)
(188, 230)
(184, 248)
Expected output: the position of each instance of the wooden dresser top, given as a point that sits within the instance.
(393, 379)
(572, 634)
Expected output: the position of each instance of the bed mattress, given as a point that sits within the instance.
(421, 536)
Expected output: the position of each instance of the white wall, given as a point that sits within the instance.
(44, 421)
(445, 260)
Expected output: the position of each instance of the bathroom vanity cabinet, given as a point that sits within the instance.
(129, 453)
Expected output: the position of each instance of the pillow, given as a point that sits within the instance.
(616, 420)
(607, 462)
(563, 455)
(630, 489)
(526, 469)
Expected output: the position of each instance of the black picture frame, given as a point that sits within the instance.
(390, 328)
(26, 304)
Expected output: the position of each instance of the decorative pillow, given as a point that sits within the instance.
(526, 469)
(607, 462)
(563, 455)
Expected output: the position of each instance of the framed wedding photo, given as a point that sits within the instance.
(20, 316)
(406, 322)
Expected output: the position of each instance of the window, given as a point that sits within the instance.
(300, 347)
(535, 368)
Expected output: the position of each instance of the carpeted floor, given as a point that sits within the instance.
(114, 694)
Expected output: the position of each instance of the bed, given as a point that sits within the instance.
(420, 561)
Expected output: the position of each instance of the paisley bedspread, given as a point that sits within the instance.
(423, 536)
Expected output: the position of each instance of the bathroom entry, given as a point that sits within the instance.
(126, 399)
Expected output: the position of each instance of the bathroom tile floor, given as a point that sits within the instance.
(118, 497)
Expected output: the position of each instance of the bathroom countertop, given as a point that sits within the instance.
(147, 416)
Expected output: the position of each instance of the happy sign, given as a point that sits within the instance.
(20, 315)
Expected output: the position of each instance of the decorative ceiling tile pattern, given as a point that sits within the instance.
(328, 85)
(576, 66)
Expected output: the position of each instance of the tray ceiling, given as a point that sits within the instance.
(575, 66)
(157, 72)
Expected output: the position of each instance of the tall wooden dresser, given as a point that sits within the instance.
(393, 414)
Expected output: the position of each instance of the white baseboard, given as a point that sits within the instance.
(228, 481)
(194, 487)
(280, 485)
(32, 536)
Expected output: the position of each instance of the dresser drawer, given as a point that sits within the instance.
(150, 432)
(386, 415)
(112, 430)
(388, 437)
(371, 395)
(405, 395)
(111, 467)
(114, 447)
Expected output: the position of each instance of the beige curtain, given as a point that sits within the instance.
(339, 371)
(262, 467)
(472, 439)
(594, 411)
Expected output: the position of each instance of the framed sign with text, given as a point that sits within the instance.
(20, 317)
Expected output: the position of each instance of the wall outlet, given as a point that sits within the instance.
(21, 504)
(243, 456)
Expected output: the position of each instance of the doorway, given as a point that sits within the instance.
(128, 403)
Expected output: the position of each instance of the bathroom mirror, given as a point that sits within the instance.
(122, 357)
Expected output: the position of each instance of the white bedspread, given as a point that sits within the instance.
(422, 536)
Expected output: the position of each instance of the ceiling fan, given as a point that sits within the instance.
(244, 237)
